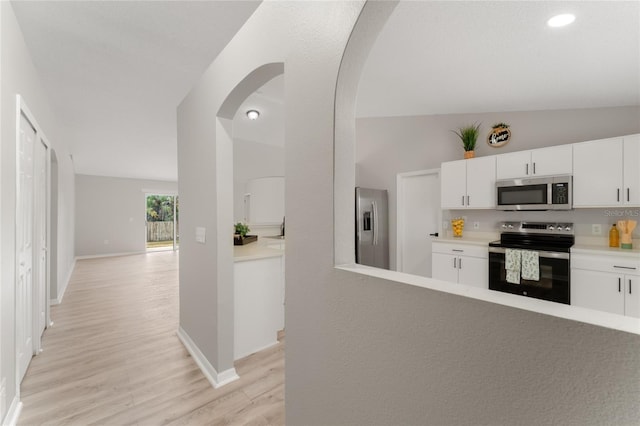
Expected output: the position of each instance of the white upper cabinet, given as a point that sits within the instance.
(555, 160)
(468, 184)
(453, 181)
(605, 172)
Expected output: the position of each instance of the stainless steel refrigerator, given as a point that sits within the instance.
(372, 227)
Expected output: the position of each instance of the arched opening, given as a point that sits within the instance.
(415, 131)
(248, 324)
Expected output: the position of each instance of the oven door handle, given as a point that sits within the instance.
(542, 254)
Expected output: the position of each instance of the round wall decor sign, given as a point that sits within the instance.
(499, 135)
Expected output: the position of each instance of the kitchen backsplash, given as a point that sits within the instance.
(583, 220)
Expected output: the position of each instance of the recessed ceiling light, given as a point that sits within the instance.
(561, 20)
(253, 114)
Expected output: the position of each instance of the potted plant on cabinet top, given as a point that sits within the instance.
(240, 238)
(469, 136)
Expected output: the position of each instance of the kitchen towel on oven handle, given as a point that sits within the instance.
(530, 264)
(512, 261)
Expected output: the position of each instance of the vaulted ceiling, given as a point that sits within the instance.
(116, 71)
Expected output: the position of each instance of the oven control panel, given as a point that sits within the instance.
(537, 227)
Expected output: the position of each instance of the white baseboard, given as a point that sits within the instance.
(66, 281)
(11, 419)
(96, 256)
(216, 379)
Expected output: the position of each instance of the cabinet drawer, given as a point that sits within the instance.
(619, 265)
(461, 249)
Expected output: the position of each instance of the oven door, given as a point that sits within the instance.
(553, 284)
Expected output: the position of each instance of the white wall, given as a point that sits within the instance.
(252, 160)
(113, 210)
(362, 350)
(391, 145)
(19, 76)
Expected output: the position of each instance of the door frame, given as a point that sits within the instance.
(400, 205)
(37, 298)
(162, 193)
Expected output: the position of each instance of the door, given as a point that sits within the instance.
(473, 271)
(453, 178)
(24, 246)
(418, 217)
(602, 291)
(555, 160)
(41, 269)
(513, 165)
(597, 175)
(481, 183)
(445, 267)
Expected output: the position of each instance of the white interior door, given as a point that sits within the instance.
(24, 246)
(41, 268)
(418, 218)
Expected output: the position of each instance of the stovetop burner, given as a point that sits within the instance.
(536, 236)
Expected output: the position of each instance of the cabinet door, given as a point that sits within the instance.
(602, 291)
(631, 169)
(453, 181)
(473, 271)
(481, 183)
(555, 160)
(632, 296)
(513, 165)
(597, 175)
(443, 268)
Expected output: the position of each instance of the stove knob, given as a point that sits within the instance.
(504, 226)
(568, 228)
(551, 228)
(510, 226)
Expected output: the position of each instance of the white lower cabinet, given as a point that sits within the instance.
(606, 283)
(461, 263)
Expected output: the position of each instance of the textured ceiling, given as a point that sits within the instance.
(480, 56)
(116, 71)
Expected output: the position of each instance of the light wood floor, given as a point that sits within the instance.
(112, 357)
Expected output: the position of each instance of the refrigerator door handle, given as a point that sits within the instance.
(374, 219)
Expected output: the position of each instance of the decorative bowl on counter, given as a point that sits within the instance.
(240, 240)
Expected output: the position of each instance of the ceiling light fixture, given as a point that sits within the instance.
(252, 114)
(561, 20)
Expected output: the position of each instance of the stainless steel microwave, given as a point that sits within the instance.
(543, 193)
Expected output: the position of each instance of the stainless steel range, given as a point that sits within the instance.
(532, 259)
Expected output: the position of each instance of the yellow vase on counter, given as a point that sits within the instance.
(457, 225)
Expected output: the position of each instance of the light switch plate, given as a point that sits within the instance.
(201, 234)
(596, 229)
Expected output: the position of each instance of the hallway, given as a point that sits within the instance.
(113, 357)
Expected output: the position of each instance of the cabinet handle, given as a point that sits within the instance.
(628, 194)
(468, 204)
(619, 285)
(618, 194)
(629, 286)
(454, 263)
(458, 250)
(527, 168)
(534, 168)
(463, 200)
(624, 267)
(460, 267)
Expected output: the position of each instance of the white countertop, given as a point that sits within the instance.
(257, 250)
(471, 239)
(604, 250)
